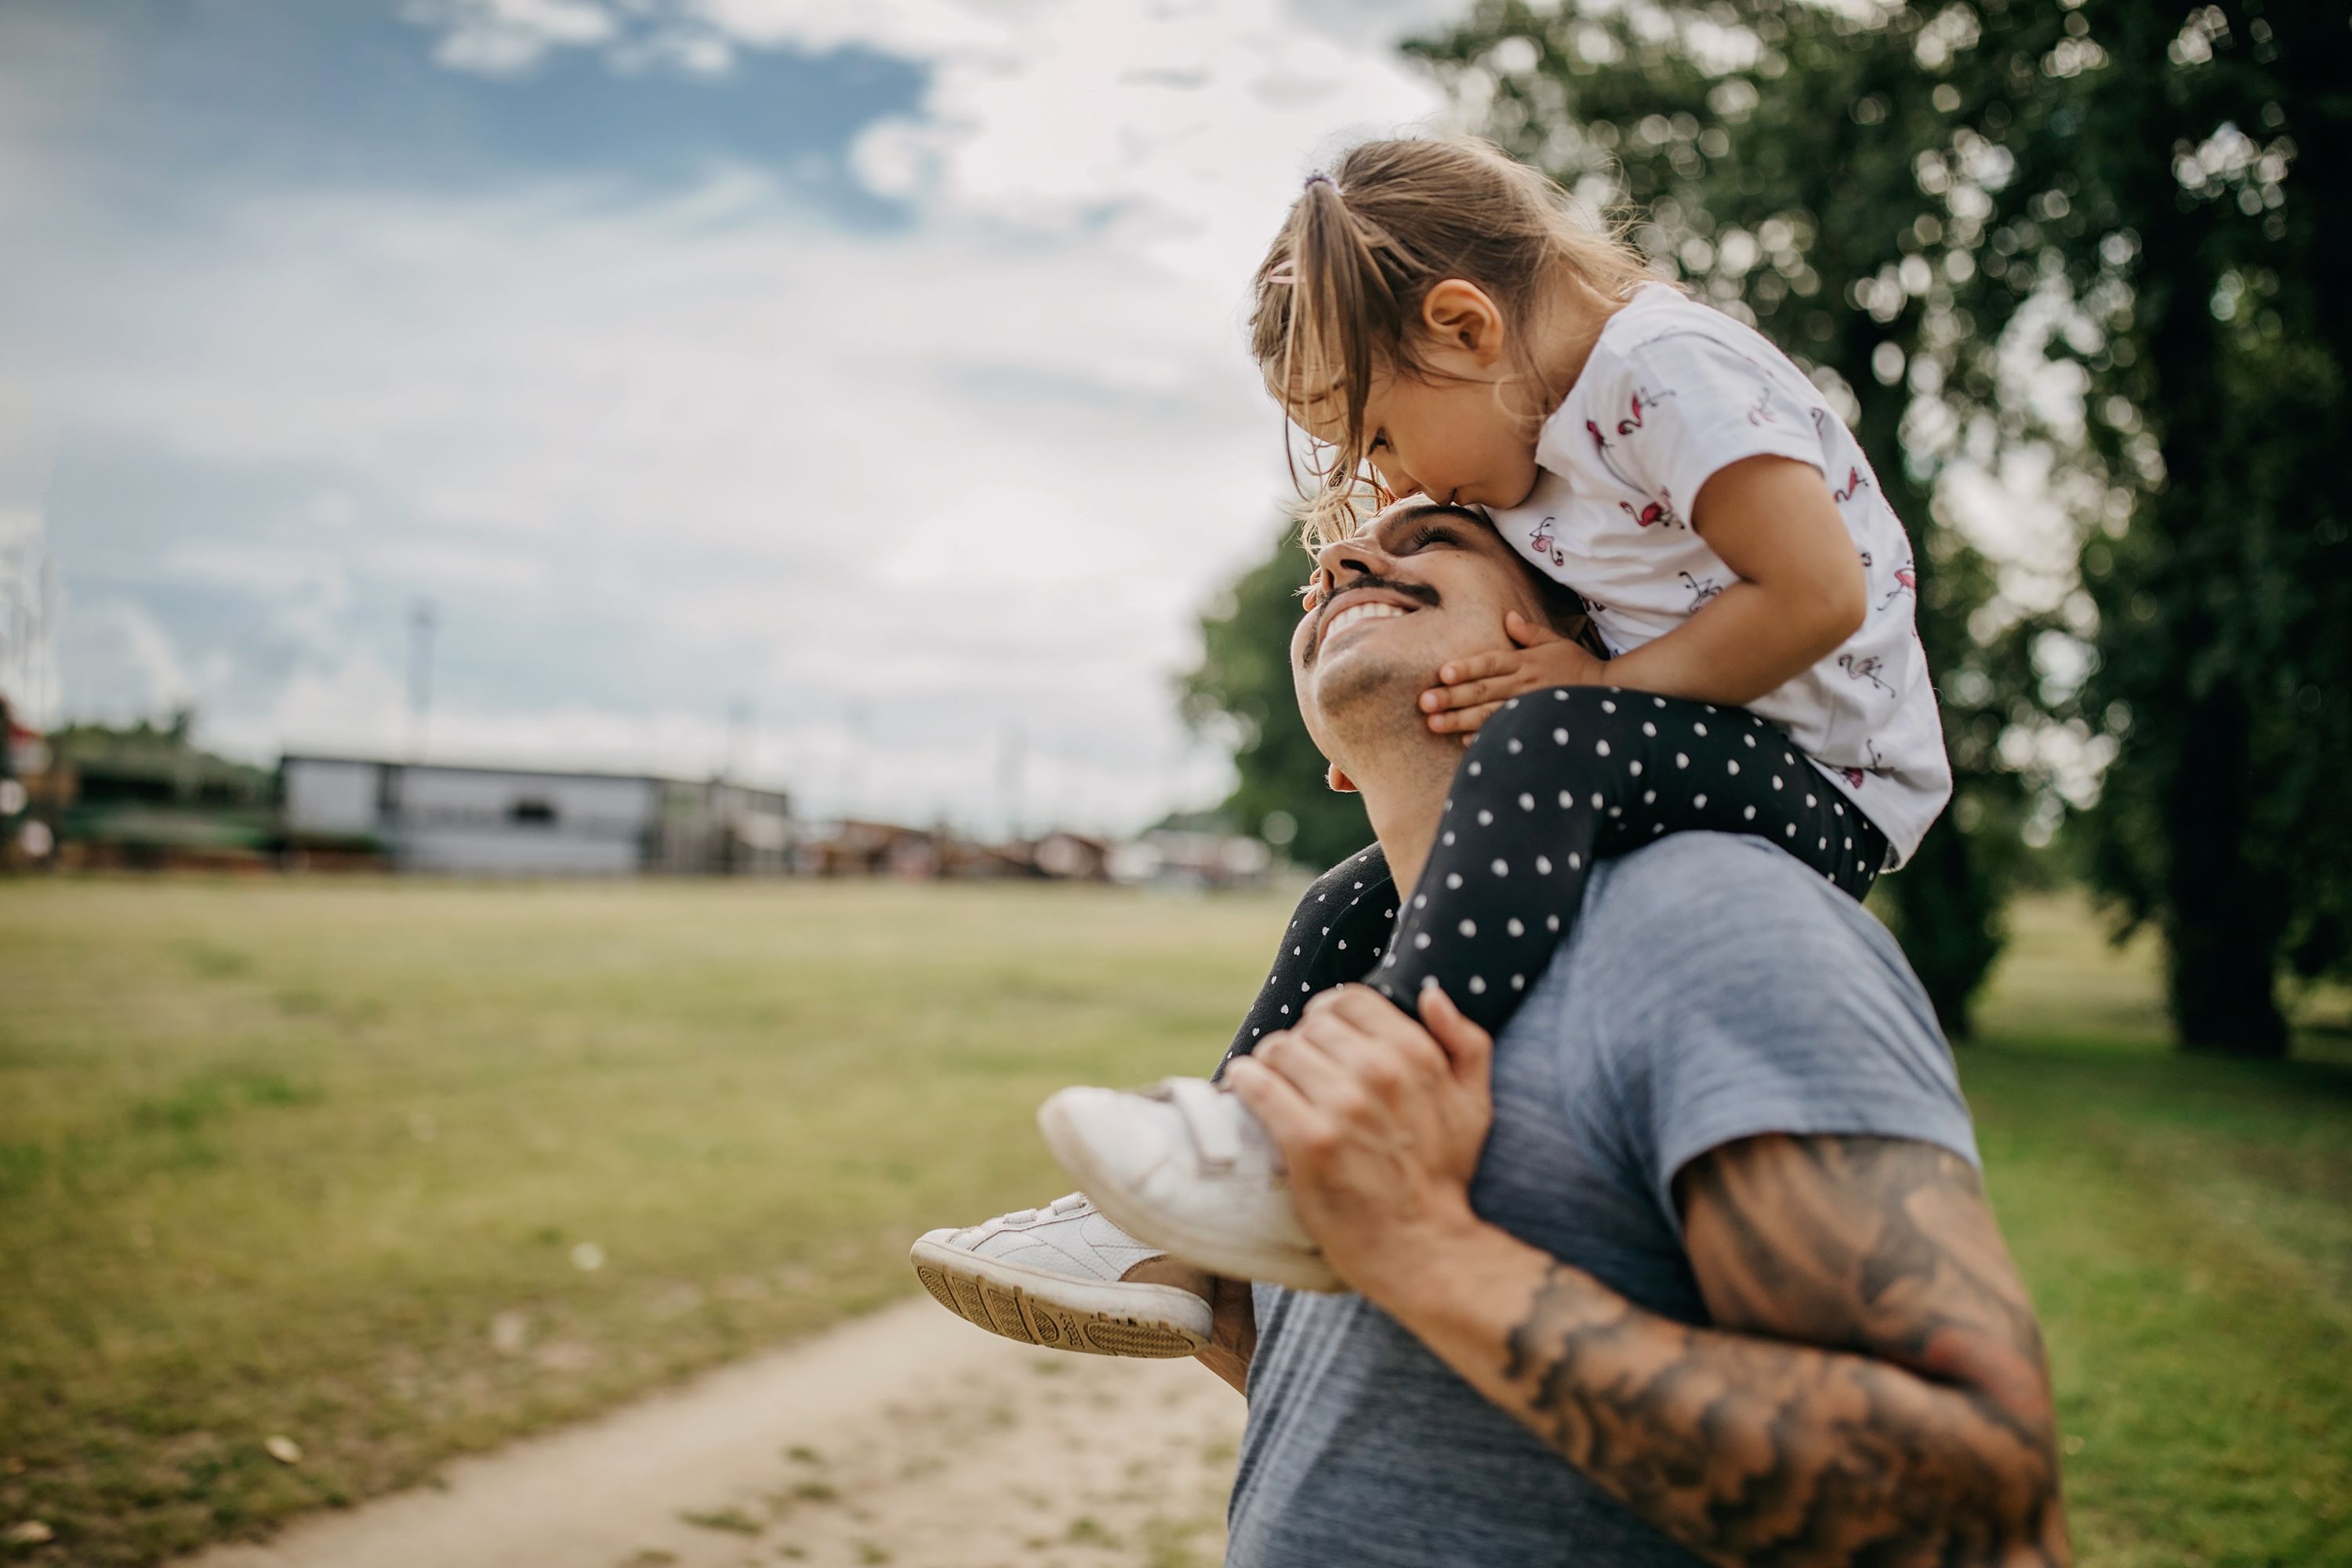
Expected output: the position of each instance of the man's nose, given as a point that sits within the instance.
(1345, 558)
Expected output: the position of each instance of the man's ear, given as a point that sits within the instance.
(1339, 780)
(1459, 314)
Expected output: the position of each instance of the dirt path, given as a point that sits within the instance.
(907, 1438)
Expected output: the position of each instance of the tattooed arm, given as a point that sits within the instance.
(1872, 1390)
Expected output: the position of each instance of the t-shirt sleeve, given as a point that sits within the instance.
(1786, 1009)
(1686, 406)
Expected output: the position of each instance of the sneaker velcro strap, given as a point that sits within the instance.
(1208, 1118)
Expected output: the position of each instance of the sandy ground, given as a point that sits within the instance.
(905, 1438)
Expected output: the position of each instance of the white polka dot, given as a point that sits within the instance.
(1420, 900)
(1559, 737)
(1596, 800)
(1552, 922)
(1609, 707)
(1285, 1008)
(1649, 797)
(1776, 781)
(1574, 861)
(1822, 845)
(1734, 766)
(1502, 867)
(1421, 940)
(1469, 928)
(1560, 694)
(1485, 820)
(1255, 1033)
(1648, 728)
(1616, 811)
(1449, 836)
(1792, 831)
(1657, 827)
(1512, 747)
(1453, 878)
(1526, 803)
(1360, 886)
(1566, 800)
(1700, 729)
(1634, 767)
(1700, 803)
(1514, 927)
(1749, 739)
(1477, 985)
(1750, 813)
(1600, 749)
(1514, 702)
(1682, 759)
(1543, 865)
(1519, 983)
(1343, 944)
(1810, 801)
(1303, 986)
(1840, 810)
(1849, 843)
(1476, 768)
(1789, 760)
(1296, 950)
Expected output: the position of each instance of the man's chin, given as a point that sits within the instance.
(1361, 686)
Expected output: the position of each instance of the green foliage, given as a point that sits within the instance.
(1242, 686)
(1776, 156)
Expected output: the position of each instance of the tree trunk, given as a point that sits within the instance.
(2222, 925)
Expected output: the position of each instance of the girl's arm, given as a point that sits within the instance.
(1801, 592)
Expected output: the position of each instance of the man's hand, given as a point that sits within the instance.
(1471, 688)
(1380, 1122)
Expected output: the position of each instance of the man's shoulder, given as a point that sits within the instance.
(1694, 891)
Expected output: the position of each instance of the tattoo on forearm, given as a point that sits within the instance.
(1873, 1390)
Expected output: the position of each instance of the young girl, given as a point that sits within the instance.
(1431, 311)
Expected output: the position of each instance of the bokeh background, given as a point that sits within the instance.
(797, 465)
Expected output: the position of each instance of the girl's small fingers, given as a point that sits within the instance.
(1478, 666)
(1527, 633)
(1464, 719)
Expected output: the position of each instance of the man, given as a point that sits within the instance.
(1692, 1262)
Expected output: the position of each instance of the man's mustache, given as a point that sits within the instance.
(1421, 594)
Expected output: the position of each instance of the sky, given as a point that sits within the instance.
(854, 390)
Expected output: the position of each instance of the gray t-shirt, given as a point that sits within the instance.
(1713, 989)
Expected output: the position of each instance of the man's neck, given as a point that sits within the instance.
(1404, 794)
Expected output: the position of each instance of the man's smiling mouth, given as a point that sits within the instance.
(1371, 610)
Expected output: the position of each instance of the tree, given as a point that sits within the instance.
(2097, 232)
(1243, 686)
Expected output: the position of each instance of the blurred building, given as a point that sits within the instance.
(1179, 858)
(525, 822)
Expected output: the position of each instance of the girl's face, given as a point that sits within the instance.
(1452, 434)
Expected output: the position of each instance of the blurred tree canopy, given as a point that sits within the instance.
(2059, 234)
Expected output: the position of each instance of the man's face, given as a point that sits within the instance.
(1421, 584)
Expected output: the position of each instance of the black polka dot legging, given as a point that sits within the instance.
(1554, 781)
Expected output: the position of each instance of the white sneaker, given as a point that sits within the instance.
(1184, 1165)
(1065, 1278)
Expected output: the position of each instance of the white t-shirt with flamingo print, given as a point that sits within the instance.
(1673, 391)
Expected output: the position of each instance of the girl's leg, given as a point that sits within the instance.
(1558, 778)
(1337, 934)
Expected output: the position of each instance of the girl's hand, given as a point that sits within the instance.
(1538, 659)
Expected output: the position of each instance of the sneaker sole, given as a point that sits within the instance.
(1056, 1313)
(1224, 1255)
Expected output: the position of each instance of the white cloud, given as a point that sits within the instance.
(905, 489)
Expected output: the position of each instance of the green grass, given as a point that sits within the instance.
(334, 1160)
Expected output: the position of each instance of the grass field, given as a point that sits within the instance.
(400, 1170)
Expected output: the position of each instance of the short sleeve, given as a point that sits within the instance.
(1688, 405)
(1758, 999)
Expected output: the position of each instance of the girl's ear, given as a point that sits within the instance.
(1339, 780)
(1461, 315)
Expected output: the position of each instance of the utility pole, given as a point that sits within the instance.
(422, 618)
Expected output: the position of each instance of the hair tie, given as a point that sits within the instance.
(1328, 180)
